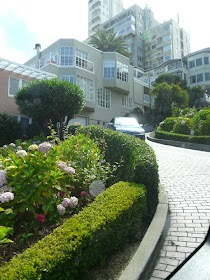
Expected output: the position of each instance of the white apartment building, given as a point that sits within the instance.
(100, 11)
(165, 42)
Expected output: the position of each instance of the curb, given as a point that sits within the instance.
(144, 260)
(186, 145)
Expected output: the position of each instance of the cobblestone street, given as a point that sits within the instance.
(185, 175)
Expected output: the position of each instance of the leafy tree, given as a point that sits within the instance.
(195, 94)
(172, 79)
(107, 41)
(179, 96)
(50, 99)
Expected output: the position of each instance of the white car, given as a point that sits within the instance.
(128, 126)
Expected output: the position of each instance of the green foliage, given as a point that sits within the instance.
(4, 231)
(182, 126)
(50, 99)
(87, 160)
(85, 239)
(195, 95)
(171, 79)
(10, 129)
(137, 160)
(168, 124)
(107, 41)
(201, 122)
(33, 130)
(183, 138)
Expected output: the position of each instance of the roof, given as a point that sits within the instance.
(24, 70)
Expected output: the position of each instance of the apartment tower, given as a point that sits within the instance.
(100, 11)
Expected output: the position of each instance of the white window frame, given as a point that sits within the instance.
(20, 84)
(104, 98)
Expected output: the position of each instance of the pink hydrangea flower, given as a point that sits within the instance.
(66, 202)
(69, 188)
(40, 218)
(45, 147)
(83, 194)
(7, 196)
(73, 202)
(12, 145)
(61, 209)
(3, 176)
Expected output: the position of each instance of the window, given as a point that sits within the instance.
(166, 28)
(198, 61)
(166, 58)
(87, 86)
(167, 48)
(166, 38)
(66, 56)
(199, 77)
(109, 69)
(69, 78)
(15, 84)
(193, 79)
(127, 102)
(122, 72)
(207, 76)
(192, 64)
(206, 60)
(104, 98)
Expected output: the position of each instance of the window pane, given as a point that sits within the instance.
(13, 85)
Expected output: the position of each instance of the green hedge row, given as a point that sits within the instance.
(85, 239)
(160, 134)
(138, 161)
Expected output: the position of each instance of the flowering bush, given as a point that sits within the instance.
(45, 180)
(182, 126)
(167, 124)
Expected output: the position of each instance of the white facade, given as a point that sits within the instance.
(100, 11)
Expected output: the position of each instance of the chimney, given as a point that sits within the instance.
(37, 48)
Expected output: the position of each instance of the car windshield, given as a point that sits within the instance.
(126, 122)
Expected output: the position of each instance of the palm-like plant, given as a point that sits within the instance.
(107, 41)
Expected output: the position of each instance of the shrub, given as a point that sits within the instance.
(167, 124)
(137, 160)
(78, 244)
(33, 130)
(183, 138)
(182, 126)
(10, 129)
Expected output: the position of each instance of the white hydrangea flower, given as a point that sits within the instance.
(45, 147)
(61, 209)
(7, 196)
(21, 153)
(33, 147)
(73, 202)
(3, 176)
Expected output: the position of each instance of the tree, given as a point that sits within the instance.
(172, 79)
(195, 93)
(108, 41)
(42, 100)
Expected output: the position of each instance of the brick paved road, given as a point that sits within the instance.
(185, 175)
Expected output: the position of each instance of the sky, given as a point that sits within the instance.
(24, 23)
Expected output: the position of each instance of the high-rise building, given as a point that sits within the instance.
(100, 11)
(150, 43)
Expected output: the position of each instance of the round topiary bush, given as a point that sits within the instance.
(10, 129)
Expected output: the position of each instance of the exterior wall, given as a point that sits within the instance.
(165, 42)
(117, 89)
(7, 104)
(100, 11)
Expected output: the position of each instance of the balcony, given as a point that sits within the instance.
(59, 61)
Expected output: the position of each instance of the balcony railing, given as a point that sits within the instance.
(55, 59)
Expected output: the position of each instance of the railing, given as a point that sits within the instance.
(55, 59)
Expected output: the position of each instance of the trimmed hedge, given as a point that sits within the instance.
(85, 239)
(183, 138)
(138, 161)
